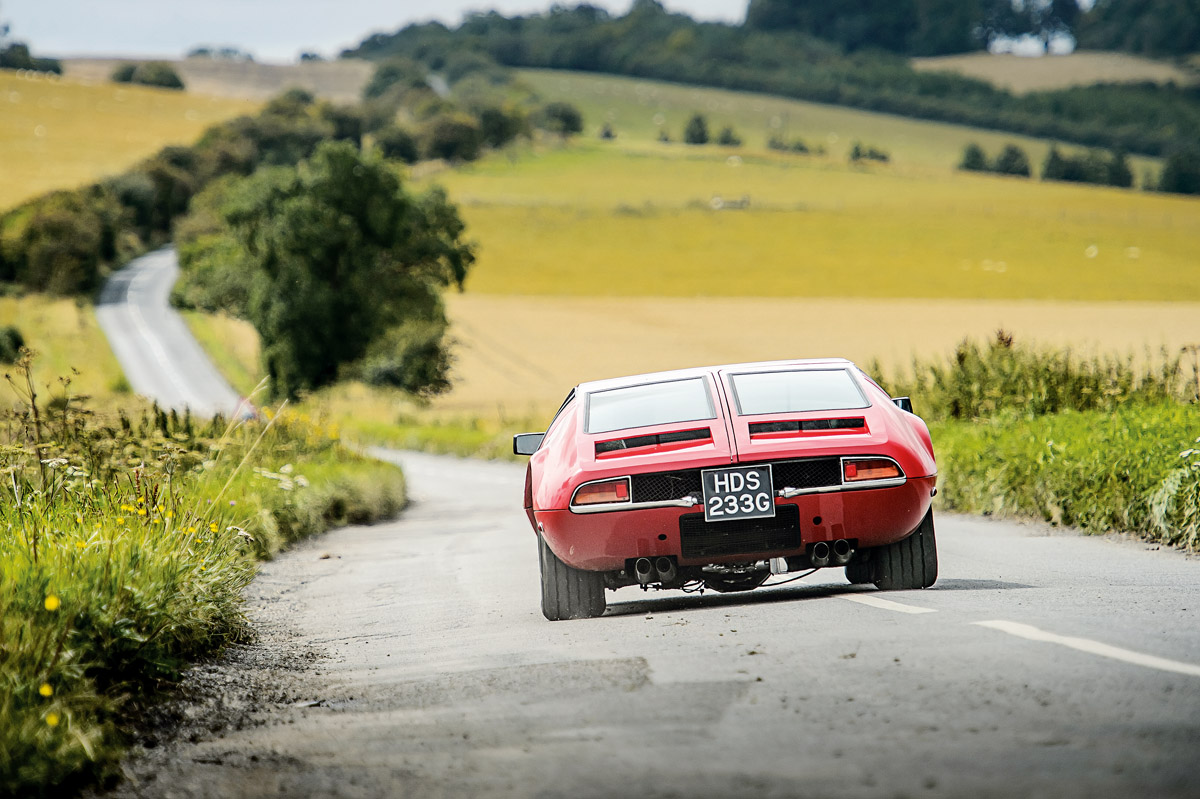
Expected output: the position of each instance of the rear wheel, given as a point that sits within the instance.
(860, 572)
(911, 563)
(568, 593)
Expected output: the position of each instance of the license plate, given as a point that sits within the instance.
(741, 492)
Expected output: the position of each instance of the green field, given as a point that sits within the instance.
(636, 218)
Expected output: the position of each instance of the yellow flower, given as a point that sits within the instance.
(191, 529)
(46, 689)
(52, 602)
(158, 508)
(170, 515)
(80, 545)
(52, 719)
(141, 500)
(141, 511)
(120, 520)
(78, 519)
(213, 527)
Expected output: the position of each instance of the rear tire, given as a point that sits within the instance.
(567, 592)
(860, 572)
(907, 564)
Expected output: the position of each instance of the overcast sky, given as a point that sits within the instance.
(273, 30)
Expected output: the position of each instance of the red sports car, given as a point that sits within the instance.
(722, 476)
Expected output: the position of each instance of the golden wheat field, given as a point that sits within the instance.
(67, 343)
(57, 133)
(1082, 68)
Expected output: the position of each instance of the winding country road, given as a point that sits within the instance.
(152, 343)
(1042, 664)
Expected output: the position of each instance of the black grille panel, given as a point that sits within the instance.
(811, 473)
(661, 486)
(701, 539)
(814, 473)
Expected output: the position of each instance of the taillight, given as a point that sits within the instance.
(857, 471)
(606, 491)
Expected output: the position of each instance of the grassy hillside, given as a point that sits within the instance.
(58, 134)
(1081, 68)
(639, 109)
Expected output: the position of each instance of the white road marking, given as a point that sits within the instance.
(1092, 647)
(886, 604)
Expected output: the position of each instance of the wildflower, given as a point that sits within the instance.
(78, 519)
(170, 515)
(120, 520)
(52, 719)
(46, 690)
(141, 511)
(52, 602)
(213, 527)
(141, 500)
(80, 545)
(191, 529)
(232, 502)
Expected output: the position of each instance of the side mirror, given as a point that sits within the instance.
(903, 403)
(527, 443)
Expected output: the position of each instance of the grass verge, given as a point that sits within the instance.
(124, 546)
(1132, 469)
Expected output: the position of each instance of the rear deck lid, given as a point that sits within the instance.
(782, 411)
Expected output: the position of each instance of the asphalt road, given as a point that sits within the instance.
(153, 344)
(410, 659)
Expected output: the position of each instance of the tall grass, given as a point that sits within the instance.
(982, 380)
(125, 543)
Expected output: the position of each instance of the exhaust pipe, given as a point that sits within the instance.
(665, 568)
(819, 556)
(842, 552)
(643, 570)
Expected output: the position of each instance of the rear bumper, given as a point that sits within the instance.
(604, 541)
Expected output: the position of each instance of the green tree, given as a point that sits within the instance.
(397, 143)
(452, 136)
(1012, 161)
(341, 256)
(1055, 166)
(728, 138)
(148, 73)
(11, 342)
(1119, 172)
(696, 131)
(1181, 172)
(561, 118)
(973, 159)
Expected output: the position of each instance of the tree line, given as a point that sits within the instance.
(650, 42)
(940, 27)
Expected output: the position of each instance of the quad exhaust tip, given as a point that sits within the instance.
(661, 569)
(824, 553)
(643, 570)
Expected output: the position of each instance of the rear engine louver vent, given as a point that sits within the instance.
(679, 436)
(807, 426)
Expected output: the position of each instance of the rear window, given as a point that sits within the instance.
(797, 391)
(649, 404)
